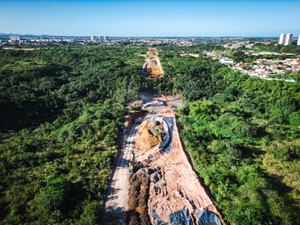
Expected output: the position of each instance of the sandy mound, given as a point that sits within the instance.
(152, 64)
(151, 134)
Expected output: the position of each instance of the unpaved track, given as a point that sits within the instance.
(117, 200)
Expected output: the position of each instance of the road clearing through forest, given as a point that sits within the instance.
(116, 206)
(175, 191)
(152, 64)
(163, 187)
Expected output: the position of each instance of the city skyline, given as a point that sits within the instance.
(151, 18)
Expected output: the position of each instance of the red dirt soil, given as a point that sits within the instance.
(175, 186)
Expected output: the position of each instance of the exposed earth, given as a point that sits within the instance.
(152, 64)
(173, 186)
(154, 182)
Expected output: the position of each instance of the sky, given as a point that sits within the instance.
(251, 18)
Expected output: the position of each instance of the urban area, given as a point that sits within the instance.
(266, 65)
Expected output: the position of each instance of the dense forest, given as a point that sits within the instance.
(62, 110)
(242, 134)
(61, 113)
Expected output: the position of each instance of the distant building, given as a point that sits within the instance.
(282, 39)
(298, 40)
(94, 38)
(102, 38)
(14, 38)
(226, 60)
(288, 39)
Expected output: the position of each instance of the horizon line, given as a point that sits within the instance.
(142, 36)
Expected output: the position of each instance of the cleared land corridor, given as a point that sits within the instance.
(175, 194)
(116, 205)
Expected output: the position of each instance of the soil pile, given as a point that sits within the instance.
(138, 197)
(152, 64)
(152, 52)
(150, 135)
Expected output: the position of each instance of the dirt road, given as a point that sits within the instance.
(116, 204)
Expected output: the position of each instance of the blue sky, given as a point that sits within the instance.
(151, 18)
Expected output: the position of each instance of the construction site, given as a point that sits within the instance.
(152, 65)
(154, 182)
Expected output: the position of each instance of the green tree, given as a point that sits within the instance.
(51, 200)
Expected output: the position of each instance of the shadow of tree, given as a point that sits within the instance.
(113, 193)
(115, 216)
(123, 163)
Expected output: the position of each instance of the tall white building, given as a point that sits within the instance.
(14, 38)
(281, 39)
(288, 39)
(94, 38)
(298, 40)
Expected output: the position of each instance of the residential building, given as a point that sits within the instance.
(94, 38)
(282, 39)
(14, 38)
(298, 40)
(288, 39)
